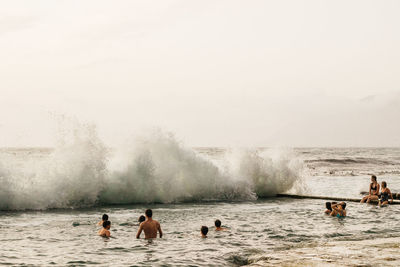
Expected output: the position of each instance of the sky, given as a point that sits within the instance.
(215, 73)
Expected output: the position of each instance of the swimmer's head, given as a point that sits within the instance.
(107, 224)
(141, 219)
(343, 204)
(105, 217)
(384, 184)
(204, 230)
(149, 213)
(373, 178)
(328, 206)
(217, 223)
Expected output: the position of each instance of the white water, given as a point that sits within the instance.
(82, 172)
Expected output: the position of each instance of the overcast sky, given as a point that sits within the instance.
(216, 73)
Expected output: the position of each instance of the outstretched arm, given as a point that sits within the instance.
(139, 231)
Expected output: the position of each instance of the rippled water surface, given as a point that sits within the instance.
(263, 232)
(270, 231)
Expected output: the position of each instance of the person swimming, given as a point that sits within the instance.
(328, 206)
(103, 219)
(204, 231)
(105, 232)
(384, 200)
(149, 226)
(141, 219)
(339, 210)
(218, 226)
(373, 191)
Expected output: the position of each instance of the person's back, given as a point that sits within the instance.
(105, 232)
(150, 227)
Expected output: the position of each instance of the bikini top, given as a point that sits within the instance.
(373, 188)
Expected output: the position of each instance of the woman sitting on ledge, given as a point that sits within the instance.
(384, 200)
(373, 191)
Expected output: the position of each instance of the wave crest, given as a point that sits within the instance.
(82, 172)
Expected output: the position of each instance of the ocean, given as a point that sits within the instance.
(51, 200)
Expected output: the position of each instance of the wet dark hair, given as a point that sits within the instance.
(384, 184)
(149, 213)
(141, 219)
(373, 177)
(204, 230)
(344, 205)
(328, 206)
(106, 223)
(217, 223)
(105, 217)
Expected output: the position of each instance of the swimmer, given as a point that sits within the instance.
(384, 200)
(373, 191)
(204, 231)
(218, 226)
(105, 232)
(103, 219)
(339, 210)
(149, 226)
(328, 206)
(141, 219)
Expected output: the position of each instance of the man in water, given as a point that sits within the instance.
(204, 231)
(150, 226)
(105, 232)
(218, 226)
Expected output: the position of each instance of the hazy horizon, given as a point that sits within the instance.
(214, 73)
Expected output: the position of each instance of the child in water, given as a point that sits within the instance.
(218, 226)
(103, 219)
(141, 219)
(204, 231)
(105, 232)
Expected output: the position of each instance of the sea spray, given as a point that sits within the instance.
(81, 172)
(71, 176)
(267, 172)
(162, 170)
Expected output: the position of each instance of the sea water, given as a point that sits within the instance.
(52, 199)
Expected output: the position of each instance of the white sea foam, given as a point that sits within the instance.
(155, 168)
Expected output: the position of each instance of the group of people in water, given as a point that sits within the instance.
(149, 226)
(377, 193)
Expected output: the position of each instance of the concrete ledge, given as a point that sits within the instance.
(329, 198)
